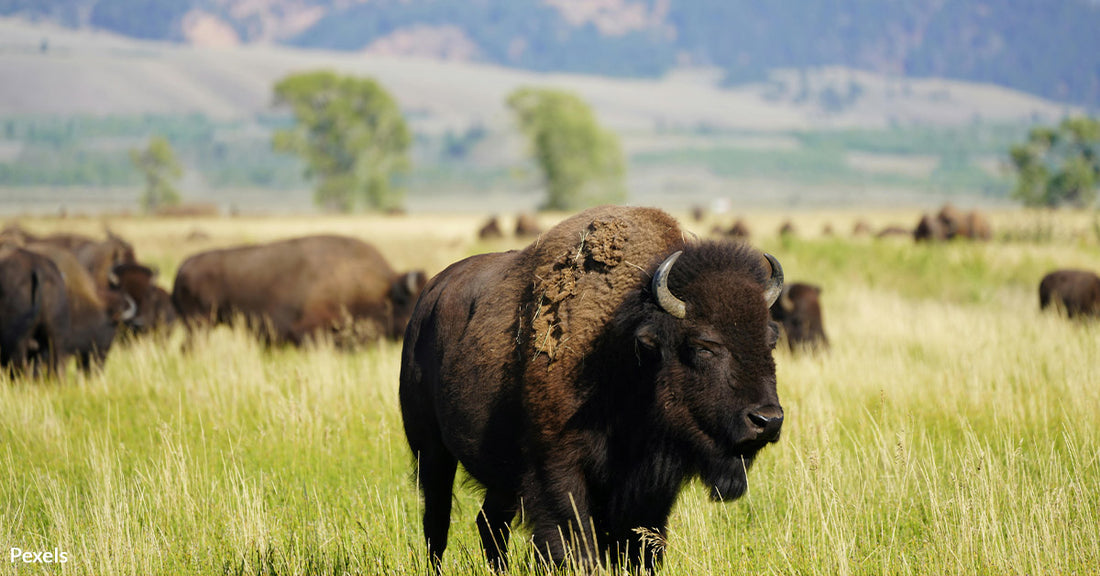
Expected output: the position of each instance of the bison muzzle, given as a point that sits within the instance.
(586, 378)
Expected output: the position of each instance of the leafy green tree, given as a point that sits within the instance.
(351, 135)
(582, 164)
(160, 169)
(1059, 165)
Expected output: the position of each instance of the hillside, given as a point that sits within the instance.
(66, 72)
(802, 137)
(1043, 47)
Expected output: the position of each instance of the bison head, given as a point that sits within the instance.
(705, 340)
(152, 304)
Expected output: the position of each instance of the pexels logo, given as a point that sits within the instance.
(28, 557)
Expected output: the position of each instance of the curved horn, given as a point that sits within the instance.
(670, 303)
(774, 286)
(131, 309)
(112, 279)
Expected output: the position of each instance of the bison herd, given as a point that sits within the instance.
(584, 378)
(66, 296)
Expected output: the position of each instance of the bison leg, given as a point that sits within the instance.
(493, 522)
(562, 524)
(437, 475)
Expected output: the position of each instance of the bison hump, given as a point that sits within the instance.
(581, 272)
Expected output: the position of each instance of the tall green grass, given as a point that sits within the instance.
(950, 429)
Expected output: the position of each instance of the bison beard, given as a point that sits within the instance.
(564, 379)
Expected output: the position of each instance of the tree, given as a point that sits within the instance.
(582, 164)
(1059, 165)
(158, 165)
(351, 135)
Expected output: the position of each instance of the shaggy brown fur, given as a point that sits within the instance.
(34, 312)
(1075, 291)
(290, 290)
(94, 313)
(554, 377)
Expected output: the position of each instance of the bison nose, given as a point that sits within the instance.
(767, 420)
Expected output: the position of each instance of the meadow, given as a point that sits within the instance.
(950, 429)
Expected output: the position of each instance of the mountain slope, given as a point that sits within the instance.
(1045, 47)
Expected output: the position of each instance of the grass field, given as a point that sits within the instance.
(951, 428)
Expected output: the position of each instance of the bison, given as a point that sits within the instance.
(34, 312)
(929, 229)
(94, 313)
(490, 230)
(589, 376)
(527, 226)
(1076, 291)
(290, 290)
(972, 225)
(798, 311)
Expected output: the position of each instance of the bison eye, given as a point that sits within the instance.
(701, 352)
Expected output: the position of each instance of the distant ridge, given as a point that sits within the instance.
(1048, 48)
(62, 72)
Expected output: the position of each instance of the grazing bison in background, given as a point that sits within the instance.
(893, 232)
(94, 313)
(861, 228)
(490, 230)
(34, 312)
(527, 226)
(1077, 291)
(958, 224)
(589, 376)
(739, 231)
(798, 311)
(293, 289)
(98, 257)
(929, 229)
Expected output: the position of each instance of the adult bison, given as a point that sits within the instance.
(589, 376)
(972, 225)
(292, 289)
(798, 311)
(527, 226)
(95, 313)
(1076, 291)
(34, 312)
(930, 229)
(490, 230)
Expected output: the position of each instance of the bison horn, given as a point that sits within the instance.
(412, 282)
(774, 286)
(112, 279)
(670, 303)
(131, 309)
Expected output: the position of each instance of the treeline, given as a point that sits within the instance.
(94, 151)
(1045, 47)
